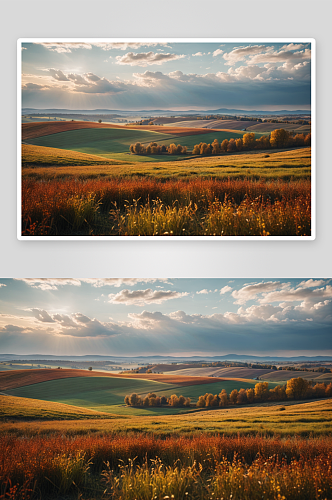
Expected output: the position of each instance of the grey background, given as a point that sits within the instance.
(160, 18)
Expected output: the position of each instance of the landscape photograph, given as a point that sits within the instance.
(170, 388)
(155, 138)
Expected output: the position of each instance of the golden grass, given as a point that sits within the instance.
(286, 419)
(12, 407)
(41, 156)
(143, 206)
(145, 468)
(267, 164)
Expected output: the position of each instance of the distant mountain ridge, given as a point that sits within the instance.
(166, 112)
(148, 359)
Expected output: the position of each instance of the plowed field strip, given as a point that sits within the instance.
(20, 378)
(41, 129)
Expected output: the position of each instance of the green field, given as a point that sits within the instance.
(96, 393)
(114, 143)
(106, 394)
(194, 391)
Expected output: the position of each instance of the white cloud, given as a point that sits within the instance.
(250, 292)
(199, 54)
(240, 53)
(205, 291)
(292, 46)
(147, 58)
(128, 45)
(225, 289)
(49, 283)
(142, 297)
(117, 282)
(2, 284)
(42, 315)
(311, 283)
(65, 47)
(217, 52)
(281, 56)
(307, 295)
(58, 75)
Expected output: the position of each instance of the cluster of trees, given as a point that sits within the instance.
(321, 369)
(278, 138)
(157, 149)
(262, 366)
(296, 122)
(153, 400)
(296, 388)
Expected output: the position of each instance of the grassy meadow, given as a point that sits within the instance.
(73, 437)
(80, 179)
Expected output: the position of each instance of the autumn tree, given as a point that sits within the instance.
(279, 138)
(248, 140)
(261, 391)
(197, 149)
(263, 142)
(307, 140)
(318, 390)
(205, 149)
(299, 140)
(134, 399)
(224, 145)
(223, 398)
(239, 144)
(297, 388)
(233, 396)
(231, 146)
(250, 395)
(138, 148)
(328, 390)
(201, 402)
(242, 397)
(215, 147)
(278, 393)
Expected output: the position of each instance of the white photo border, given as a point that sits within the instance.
(312, 41)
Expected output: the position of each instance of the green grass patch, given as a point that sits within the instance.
(114, 143)
(97, 393)
(100, 141)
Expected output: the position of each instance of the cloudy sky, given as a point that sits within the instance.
(166, 316)
(134, 76)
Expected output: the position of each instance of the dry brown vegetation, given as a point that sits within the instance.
(148, 467)
(147, 207)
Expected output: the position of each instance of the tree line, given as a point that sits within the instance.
(153, 400)
(157, 149)
(278, 138)
(295, 389)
